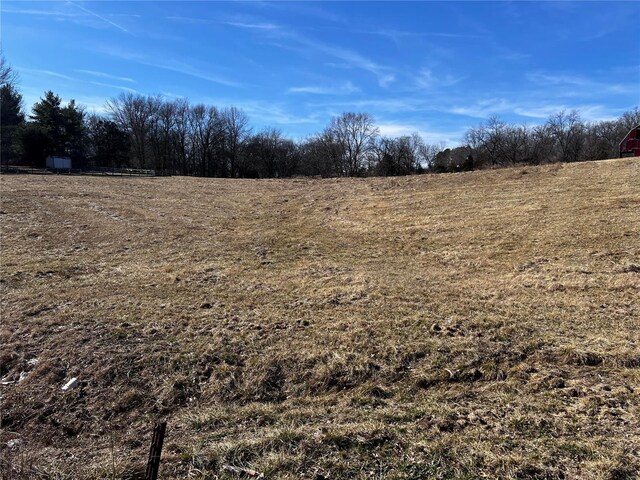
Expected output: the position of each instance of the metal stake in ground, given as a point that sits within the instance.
(153, 465)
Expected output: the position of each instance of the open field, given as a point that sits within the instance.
(482, 324)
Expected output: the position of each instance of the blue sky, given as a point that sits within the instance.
(435, 68)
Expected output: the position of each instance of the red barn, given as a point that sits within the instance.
(630, 145)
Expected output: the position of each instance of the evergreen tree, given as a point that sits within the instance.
(74, 131)
(64, 126)
(108, 145)
(11, 117)
(47, 114)
(32, 144)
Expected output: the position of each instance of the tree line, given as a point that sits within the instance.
(177, 137)
(564, 137)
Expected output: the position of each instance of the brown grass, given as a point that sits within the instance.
(465, 325)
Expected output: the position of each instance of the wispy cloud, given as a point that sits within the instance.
(254, 26)
(187, 69)
(574, 82)
(484, 108)
(49, 13)
(512, 56)
(396, 129)
(388, 105)
(49, 73)
(268, 113)
(177, 66)
(430, 135)
(305, 9)
(101, 17)
(344, 89)
(384, 74)
(169, 94)
(532, 107)
(351, 58)
(426, 79)
(596, 113)
(272, 113)
(397, 35)
(78, 16)
(623, 89)
(106, 75)
(118, 87)
(565, 85)
(587, 112)
(189, 20)
(556, 79)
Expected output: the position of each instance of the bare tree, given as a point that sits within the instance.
(385, 152)
(515, 142)
(488, 140)
(541, 145)
(161, 133)
(355, 133)
(629, 120)
(205, 141)
(567, 130)
(207, 130)
(134, 114)
(427, 154)
(269, 154)
(181, 137)
(321, 155)
(497, 140)
(236, 130)
(600, 140)
(8, 76)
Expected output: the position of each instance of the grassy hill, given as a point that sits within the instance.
(482, 324)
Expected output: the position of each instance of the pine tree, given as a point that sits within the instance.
(11, 117)
(64, 126)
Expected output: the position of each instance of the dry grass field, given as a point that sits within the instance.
(470, 325)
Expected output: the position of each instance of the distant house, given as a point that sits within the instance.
(58, 163)
(630, 145)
